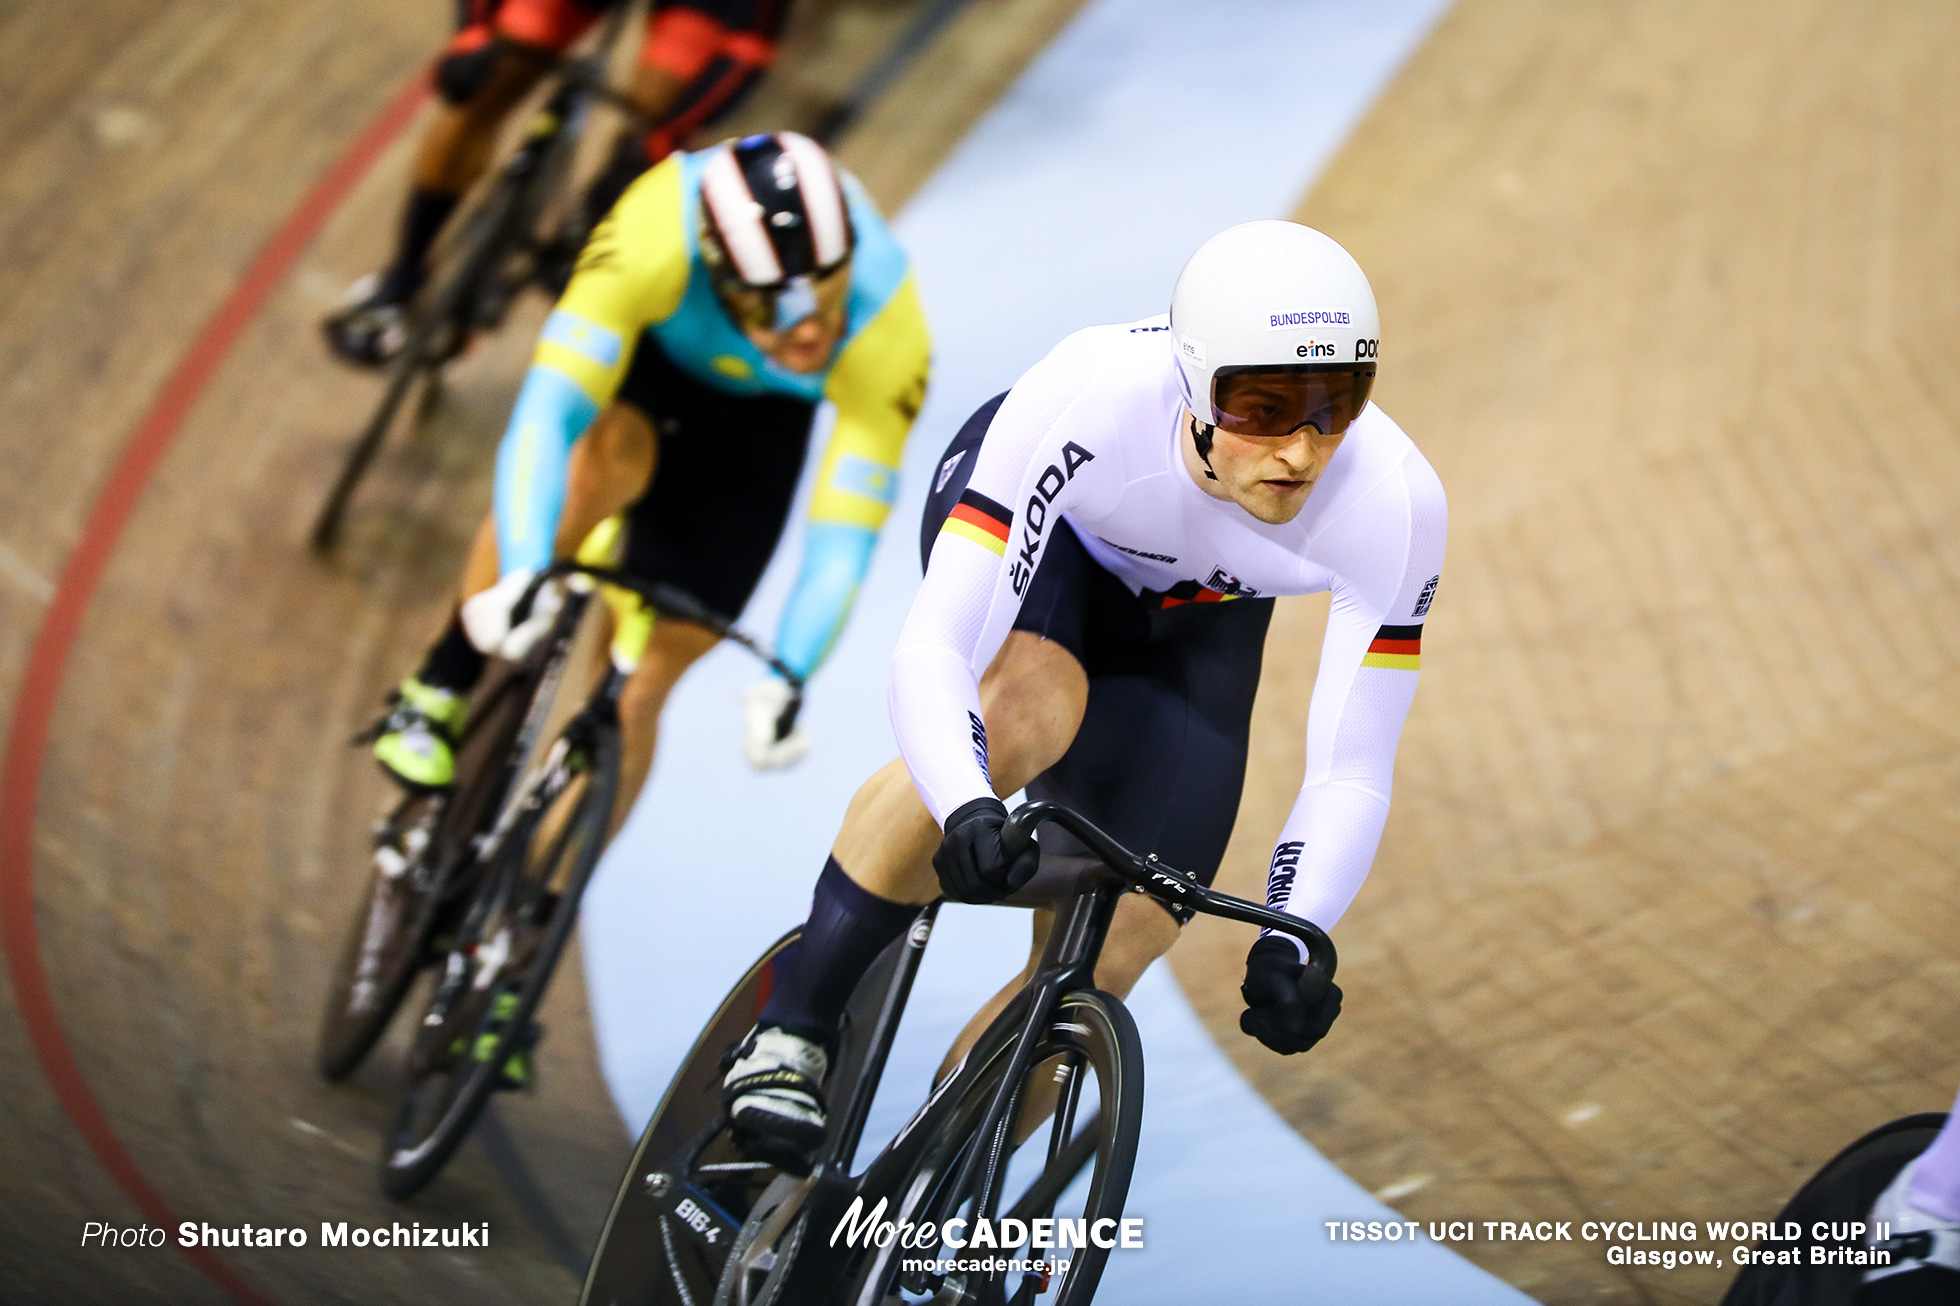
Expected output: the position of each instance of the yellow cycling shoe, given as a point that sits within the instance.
(517, 1070)
(416, 745)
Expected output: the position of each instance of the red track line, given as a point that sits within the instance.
(27, 738)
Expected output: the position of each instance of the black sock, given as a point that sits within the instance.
(422, 220)
(848, 927)
(453, 663)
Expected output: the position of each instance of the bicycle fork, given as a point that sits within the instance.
(1067, 964)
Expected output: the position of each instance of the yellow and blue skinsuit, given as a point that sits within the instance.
(642, 272)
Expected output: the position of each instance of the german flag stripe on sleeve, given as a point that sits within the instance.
(1397, 648)
(980, 519)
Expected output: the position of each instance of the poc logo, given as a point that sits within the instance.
(1364, 348)
(1315, 349)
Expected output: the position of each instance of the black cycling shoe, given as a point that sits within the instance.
(1929, 1285)
(370, 328)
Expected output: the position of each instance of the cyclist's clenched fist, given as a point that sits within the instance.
(1284, 1009)
(973, 864)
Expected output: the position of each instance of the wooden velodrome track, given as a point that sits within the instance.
(1667, 910)
(1659, 920)
(198, 832)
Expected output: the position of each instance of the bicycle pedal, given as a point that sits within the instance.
(771, 1151)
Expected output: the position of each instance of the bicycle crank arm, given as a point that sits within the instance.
(698, 1216)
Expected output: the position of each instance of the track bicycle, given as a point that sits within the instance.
(481, 882)
(525, 228)
(1841, 1195)
(695, 1223)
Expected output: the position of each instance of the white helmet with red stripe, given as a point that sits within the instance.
(774, 218)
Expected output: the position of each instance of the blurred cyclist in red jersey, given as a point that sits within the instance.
(696, 61)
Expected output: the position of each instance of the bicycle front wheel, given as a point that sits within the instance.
(478, 1031)
(1067, 1161)
(387, 937)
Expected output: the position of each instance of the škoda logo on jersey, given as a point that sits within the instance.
(990, 525)
(1035, 519)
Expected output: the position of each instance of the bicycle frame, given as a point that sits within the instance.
(1084, 901)
(675, 603)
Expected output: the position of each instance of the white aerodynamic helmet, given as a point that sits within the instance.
(1283, 309)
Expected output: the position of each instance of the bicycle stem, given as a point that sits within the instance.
(675, 603)
(1172, 886)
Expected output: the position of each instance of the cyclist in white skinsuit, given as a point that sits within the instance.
(1103, 545)
(1089, 443)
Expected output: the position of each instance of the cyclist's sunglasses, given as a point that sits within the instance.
(1281, 400)
(778, 308)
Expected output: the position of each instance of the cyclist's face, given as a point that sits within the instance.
(802, 346)
(1268, 476)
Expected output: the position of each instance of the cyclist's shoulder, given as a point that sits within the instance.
(887, 354)
(639, 249)
(1113, 379)
(1379, 487)
(650, 215)
(1116, 357)
(1390, 457)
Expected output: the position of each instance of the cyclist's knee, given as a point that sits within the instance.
(622, 448)
(1033, 697)
(1140, 932)
(487, 77)
(673, 647)
(886, 841)
(610, 466)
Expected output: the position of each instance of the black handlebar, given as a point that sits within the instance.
(671, 601)
(1167, 884)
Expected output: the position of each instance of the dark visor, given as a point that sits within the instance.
(1277, 401)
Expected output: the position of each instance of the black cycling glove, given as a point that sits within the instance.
(972, 864)
(1279, 1011)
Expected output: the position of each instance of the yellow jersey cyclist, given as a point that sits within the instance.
(725, 296)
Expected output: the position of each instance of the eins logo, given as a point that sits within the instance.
(1316, 349)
